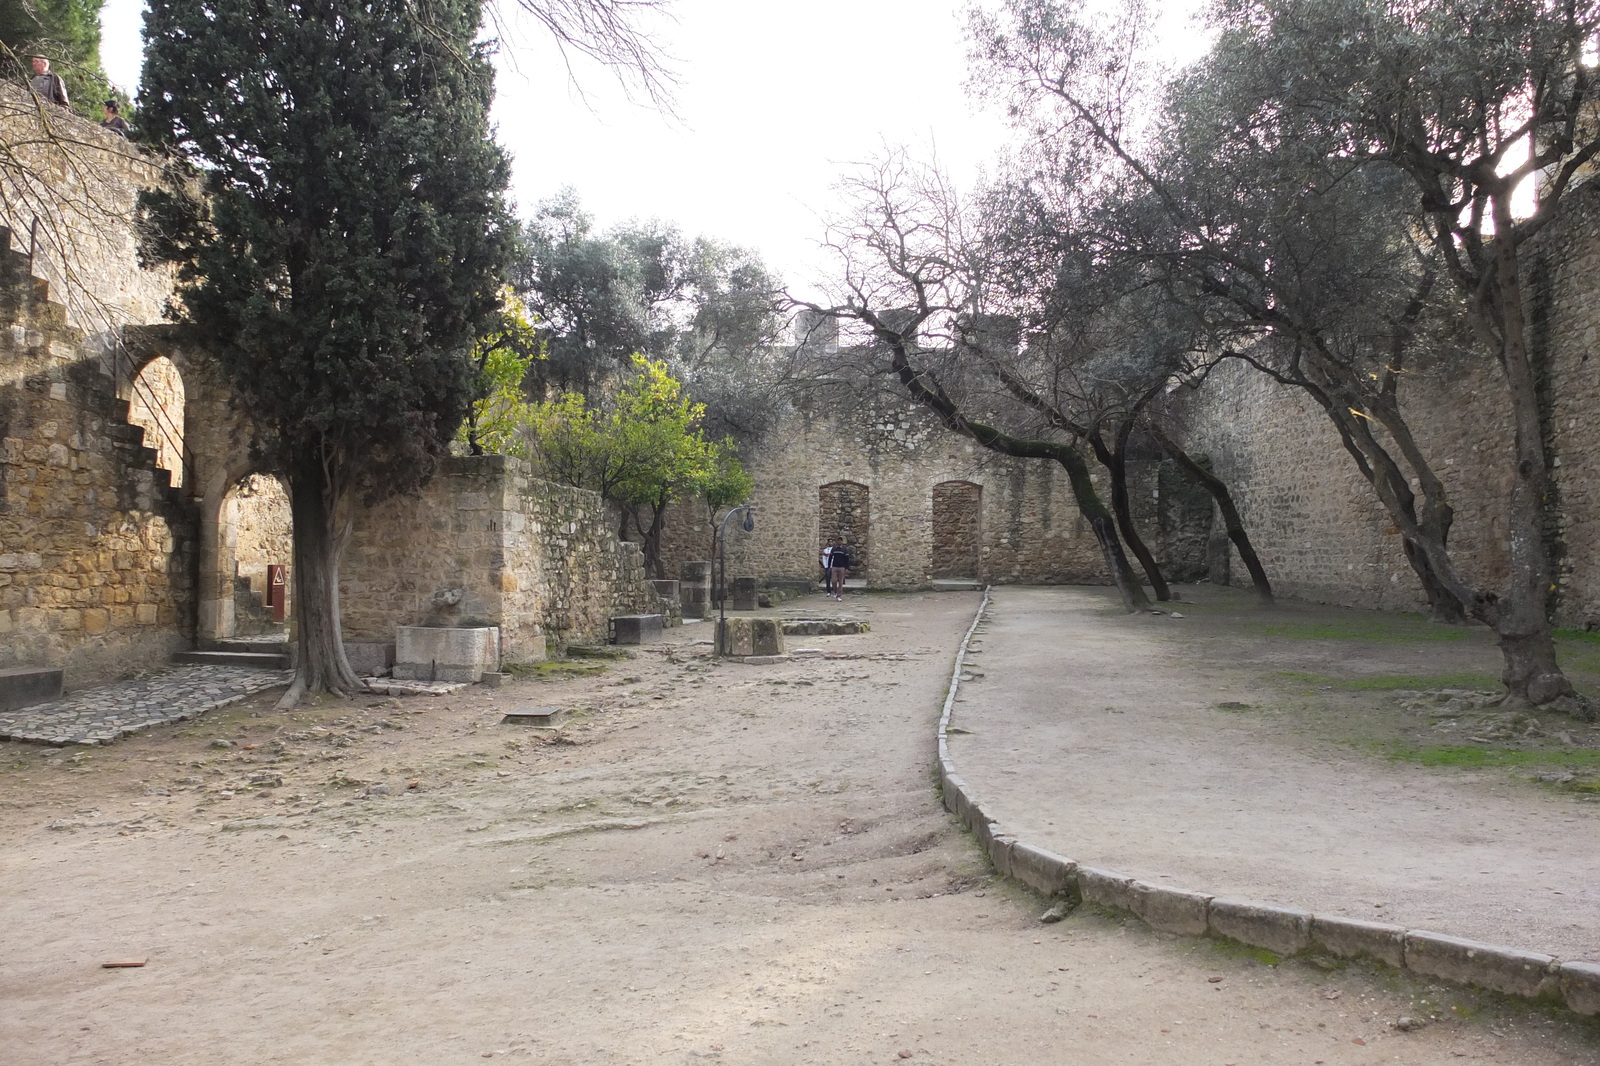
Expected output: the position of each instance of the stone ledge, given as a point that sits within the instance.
(1281, 930)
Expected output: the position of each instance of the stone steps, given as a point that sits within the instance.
(260, 660)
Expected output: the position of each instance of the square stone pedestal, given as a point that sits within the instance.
(446, 653)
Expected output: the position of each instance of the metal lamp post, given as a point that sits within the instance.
(749, 511)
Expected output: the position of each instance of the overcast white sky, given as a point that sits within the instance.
(775, 100)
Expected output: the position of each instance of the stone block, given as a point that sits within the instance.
(984, 829)
(537, 717)
(1580, 986)
(667, 590)
(1281, 930)
(23, 686)
(1171, 910)
(1508, 970)
(446, 653)
(744, 594)
(636, 628)
(694, 589)
(750, 636)
(1105, 887)
(1000, 845)
(1351, 938)
(1041, 870)
(370, 658)
(956, 797)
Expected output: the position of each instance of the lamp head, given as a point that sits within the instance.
(749, 521)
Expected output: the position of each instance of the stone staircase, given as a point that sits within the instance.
(263, 653)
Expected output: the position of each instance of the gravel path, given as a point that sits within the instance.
(1094, 734)
(712, 862)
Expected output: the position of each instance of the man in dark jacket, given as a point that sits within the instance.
(47, 86)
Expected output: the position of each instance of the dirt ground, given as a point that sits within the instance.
(712, 862)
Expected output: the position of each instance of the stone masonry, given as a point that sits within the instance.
(1316, 522)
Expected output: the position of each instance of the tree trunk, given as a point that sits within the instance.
(1104, 526)
(652, 541)
(315, 501)
(1115, 460)
(1443, 605)
(1230, 513)
(1522, 621)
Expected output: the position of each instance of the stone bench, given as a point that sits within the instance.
(636, 629)
(24, 686)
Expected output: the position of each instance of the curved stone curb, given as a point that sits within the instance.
(1285, 931)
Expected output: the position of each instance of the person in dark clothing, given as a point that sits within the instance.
(836, 557)
(114, 120)
(47, 86)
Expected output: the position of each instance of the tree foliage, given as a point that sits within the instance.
(348, 250)
(708, 309)
(642, 449)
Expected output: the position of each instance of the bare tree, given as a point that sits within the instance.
(1308, 119)
(912, 280)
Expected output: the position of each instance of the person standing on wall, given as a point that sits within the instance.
(47, 86)
(114, 120)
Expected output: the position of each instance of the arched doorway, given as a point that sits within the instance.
(957, 531)
(844, 508)
(256, 525)
(156, 405)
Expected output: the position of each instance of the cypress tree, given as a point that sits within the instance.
(348, 249)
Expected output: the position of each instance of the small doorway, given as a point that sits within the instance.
(844, 510)
(957, 531)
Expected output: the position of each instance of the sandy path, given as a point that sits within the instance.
(720, 862)
(1097, 736)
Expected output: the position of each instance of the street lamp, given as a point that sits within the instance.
(749, 523)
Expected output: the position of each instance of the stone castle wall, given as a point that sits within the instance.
(97, 550)
(486, 543)
(882, 482)
(80, 184)
(1320, 530)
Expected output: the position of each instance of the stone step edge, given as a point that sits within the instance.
(1285, 931)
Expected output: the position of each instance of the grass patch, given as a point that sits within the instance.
(1397, 629)
(1484, 755)
(1394, 682)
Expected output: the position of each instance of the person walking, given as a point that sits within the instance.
(47, 86)
(836, 558)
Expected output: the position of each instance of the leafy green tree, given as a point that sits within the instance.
(709, 309)
(349, 250)
(503, 358)
(642, 450)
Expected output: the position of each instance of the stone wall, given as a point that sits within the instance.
(485, 543)
(1016, 518)
(97, 550)
(80, 184)
(1316, 522)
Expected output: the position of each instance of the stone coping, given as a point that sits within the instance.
(1285, 931)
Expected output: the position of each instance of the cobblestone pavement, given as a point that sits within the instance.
(101, 715)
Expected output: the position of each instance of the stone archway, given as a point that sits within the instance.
(957, 531)
(156, 404)
(844, 509)
(257, 525)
